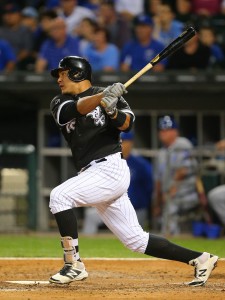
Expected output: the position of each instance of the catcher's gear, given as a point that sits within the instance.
(109, 103)
(78, 67)
(116, 90)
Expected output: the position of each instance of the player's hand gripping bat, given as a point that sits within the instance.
(170, 49)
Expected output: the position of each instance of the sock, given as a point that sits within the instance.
(162, 248)
(67, 224)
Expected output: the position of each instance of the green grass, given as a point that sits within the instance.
(48, 245)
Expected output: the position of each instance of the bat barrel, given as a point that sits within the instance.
(175, 45)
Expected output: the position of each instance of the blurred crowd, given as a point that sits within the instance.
(114, 35)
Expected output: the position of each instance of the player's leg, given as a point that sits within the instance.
(121, 219)
(74, 268)
(100, 183)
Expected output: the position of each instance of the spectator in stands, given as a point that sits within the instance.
(59, 45)
(73, 14)
(216, 196)
(192, 56)
(184, 11)
(151, 7)
(166, 28)
(52, 4)
(7, 57)
(42, 32)
(139, 192)
(102, 55)
(85, 32)
(216, 200)
(141, 185)
(30, 18)
(118, 28)
(175, 176)
(222, 9)
(93, 5)
(128, 10)
(206, 7)
(18, 36)
(208, 38)
(137, 53)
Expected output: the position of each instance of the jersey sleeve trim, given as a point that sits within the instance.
(128, 111)
(59, 110)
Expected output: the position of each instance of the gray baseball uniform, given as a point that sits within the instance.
(169, 160)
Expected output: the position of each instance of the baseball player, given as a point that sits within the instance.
(91, 119)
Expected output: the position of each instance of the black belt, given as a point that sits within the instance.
(97, 161)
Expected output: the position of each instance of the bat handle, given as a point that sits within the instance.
(137, 75)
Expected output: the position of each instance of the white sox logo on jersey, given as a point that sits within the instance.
(97, 116)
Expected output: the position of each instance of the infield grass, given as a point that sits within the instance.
(48, 245)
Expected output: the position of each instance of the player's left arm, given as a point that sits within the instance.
(123, 108)
(87, 104)
(122, 117)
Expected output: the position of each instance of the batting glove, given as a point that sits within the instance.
(109, 104)
(116, 90)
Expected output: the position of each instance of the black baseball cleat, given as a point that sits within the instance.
(69, 273)
(203, 271)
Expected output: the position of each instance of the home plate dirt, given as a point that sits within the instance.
(108, 279)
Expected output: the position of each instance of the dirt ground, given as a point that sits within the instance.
(109, 279)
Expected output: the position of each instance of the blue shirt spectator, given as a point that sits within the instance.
(141, 182)
(141, 185)
(217, 52)
(52, 4)
(167, 36)
(99, 60)
(18, 36)
(102, 55)
(137, 56)
(7, 56)
(207, 37)
(53, 54)
(137, 53)
(59, 45)
(166, 28)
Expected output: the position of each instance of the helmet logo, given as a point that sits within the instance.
(77, 75)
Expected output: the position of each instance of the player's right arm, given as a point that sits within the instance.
(66, 107)
(89, 103)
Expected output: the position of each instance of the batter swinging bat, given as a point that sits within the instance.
(170, 49)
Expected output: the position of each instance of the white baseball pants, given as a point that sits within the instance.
(104, 186)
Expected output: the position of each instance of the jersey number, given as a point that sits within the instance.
(70, 126)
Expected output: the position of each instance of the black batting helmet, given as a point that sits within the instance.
(79, 68)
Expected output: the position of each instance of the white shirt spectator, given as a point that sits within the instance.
(78, 14)
(135, 8)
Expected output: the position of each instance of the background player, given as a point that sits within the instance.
(91, 119)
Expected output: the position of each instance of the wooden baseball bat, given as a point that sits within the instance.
(170, 49)
(166, 52)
